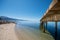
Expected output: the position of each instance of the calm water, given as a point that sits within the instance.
(36, 25)
(51, 29)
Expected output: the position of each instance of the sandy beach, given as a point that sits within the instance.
(7, 32)
(11, 32)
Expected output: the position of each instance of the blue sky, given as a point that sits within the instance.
(24, 9)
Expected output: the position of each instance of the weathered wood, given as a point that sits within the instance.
(52, 10)
(52, 17)
(56, 6)
(46, 25)
(42, 26)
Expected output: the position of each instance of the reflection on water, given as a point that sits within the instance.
(51, 29)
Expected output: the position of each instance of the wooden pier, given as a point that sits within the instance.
(52, 15)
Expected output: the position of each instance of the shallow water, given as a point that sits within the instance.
(29, 29)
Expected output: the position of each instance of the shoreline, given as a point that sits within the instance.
(27, 33)
(9, 32)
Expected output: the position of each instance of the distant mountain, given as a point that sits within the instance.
(4, 18)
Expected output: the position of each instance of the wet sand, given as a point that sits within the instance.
(12, 32)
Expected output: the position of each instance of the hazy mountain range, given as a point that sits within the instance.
(4, 18)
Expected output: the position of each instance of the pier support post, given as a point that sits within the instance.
(42, 26)
(56, 30)
(46, 25)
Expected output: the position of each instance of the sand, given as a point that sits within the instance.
(11, 32)
(7, 32)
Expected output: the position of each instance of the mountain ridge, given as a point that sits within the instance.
(8, 19)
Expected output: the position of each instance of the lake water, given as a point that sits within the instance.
(36, 25)
(51, 29)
